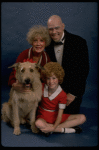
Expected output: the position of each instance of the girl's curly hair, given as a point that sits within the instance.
(38, 30)
(52, 67)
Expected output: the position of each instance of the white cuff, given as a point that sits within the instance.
(62, 106)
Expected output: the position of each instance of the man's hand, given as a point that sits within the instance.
(70, 98)
(19, 87)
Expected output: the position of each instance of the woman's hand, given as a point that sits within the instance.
(19, 87)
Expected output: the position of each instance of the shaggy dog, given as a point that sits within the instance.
(22, 106)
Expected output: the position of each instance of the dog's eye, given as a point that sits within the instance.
(22, 70)
(31, 70)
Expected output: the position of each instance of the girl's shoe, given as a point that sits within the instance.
(45, 134)
(77, 129)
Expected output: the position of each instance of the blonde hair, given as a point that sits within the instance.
(38, 30)
(53, 67)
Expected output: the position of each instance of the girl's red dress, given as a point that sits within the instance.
(53, 103)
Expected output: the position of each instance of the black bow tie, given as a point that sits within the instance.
(58, 43)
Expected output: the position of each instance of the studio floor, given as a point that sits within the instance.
(88, 138)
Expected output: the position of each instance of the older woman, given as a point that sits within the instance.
(39, 38)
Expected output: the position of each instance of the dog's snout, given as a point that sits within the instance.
(27, 81)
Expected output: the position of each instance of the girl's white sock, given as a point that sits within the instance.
(68, 130)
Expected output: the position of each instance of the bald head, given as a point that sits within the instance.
(55, 27)
(53, 18)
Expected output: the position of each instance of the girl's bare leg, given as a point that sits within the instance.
(73, 120)
(41, 123)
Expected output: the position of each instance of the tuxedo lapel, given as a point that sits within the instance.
(65, 48)
(53, 57)
(51, 53)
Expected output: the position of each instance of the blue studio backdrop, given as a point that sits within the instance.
(80, 18)
(16, 18)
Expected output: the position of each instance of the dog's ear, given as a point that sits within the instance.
(15, 65)
(40, 67)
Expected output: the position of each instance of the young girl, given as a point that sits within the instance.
(50, 117)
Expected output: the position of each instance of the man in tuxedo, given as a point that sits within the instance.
(71, 52)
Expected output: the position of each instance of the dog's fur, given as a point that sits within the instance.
(22, 106)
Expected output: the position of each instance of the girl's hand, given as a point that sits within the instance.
(48, 129)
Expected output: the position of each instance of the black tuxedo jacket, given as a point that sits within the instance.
(75, 63)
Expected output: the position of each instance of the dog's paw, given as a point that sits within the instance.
(34, 129)
(17, 131)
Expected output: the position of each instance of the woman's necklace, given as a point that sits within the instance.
(36, 56)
